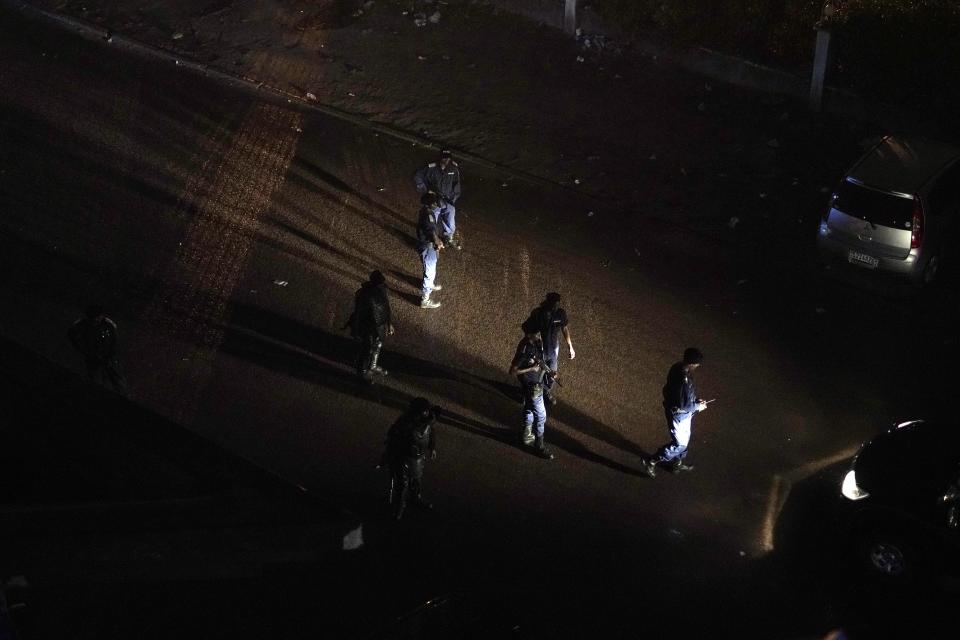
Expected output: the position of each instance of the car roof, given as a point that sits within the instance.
(903, 164)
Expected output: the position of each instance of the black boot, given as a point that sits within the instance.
(542, 450)
(419, 502)
(526, 436)
(417, 498)
(650, 467)
(679, 467)
(375, 357)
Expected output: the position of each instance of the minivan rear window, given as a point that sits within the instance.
(874, 206)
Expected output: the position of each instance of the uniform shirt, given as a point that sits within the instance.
(679, 394)
(95, 339)
(551, 325)
(426, 226)
(527, 354)
(371, 310)
(445, 182)
(411, 436)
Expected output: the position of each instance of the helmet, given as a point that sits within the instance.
(420, 405)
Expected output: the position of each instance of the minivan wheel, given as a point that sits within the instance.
(887, 558)
(931, 269)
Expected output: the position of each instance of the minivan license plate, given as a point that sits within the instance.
(862, 259)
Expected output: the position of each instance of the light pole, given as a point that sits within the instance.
(821, 57)
(570, 17)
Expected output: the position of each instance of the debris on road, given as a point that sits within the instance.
(820, 311)
(281, 283)
(733, 222)
(178, 35)
(434, 17)
(310, 96)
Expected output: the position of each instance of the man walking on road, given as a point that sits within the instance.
(529, 368)
(95, 336)
(371, 323)
(680, 403)
(410, 441)
(552, 320)
(429, 245)
(443, 179)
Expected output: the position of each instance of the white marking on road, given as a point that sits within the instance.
(780, 491)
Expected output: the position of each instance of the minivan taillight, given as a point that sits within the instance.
(916, 226)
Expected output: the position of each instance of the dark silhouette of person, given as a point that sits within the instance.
(94, 335)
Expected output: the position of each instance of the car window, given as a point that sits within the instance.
(945, 196)
(874, 206)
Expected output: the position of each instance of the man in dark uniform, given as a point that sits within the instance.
(528, 366)
(552, 320)
(95, 336)
(680, 403)
(370, 323)
(429, 246)
(410, 441)
(443, 179)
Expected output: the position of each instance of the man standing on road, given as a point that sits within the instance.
(371, 323)
(95, 336)
(410, 441)
(680, 403)
(429, 245)
(528, 366)
(552, 320)
(443, 179)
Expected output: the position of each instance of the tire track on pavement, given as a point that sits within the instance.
(227, 199)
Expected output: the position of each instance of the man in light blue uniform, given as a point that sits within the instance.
(429, 246)
(527, 365)
(443, 179)
(680, 403)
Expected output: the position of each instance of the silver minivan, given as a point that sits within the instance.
(896, 210)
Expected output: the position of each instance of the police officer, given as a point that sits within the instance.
(371, 323)
(429, 246)
(680, 403)
(410, 441)
(529, 368)
(552, 320)
(443, 179)
(94, 335)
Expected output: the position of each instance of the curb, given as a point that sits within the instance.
(716, 65)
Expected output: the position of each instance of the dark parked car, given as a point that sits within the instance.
(896, 210)
(901, 501)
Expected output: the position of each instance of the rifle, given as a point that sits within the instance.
(548, 371)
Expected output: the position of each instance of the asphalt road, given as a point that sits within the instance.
(226, 231)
